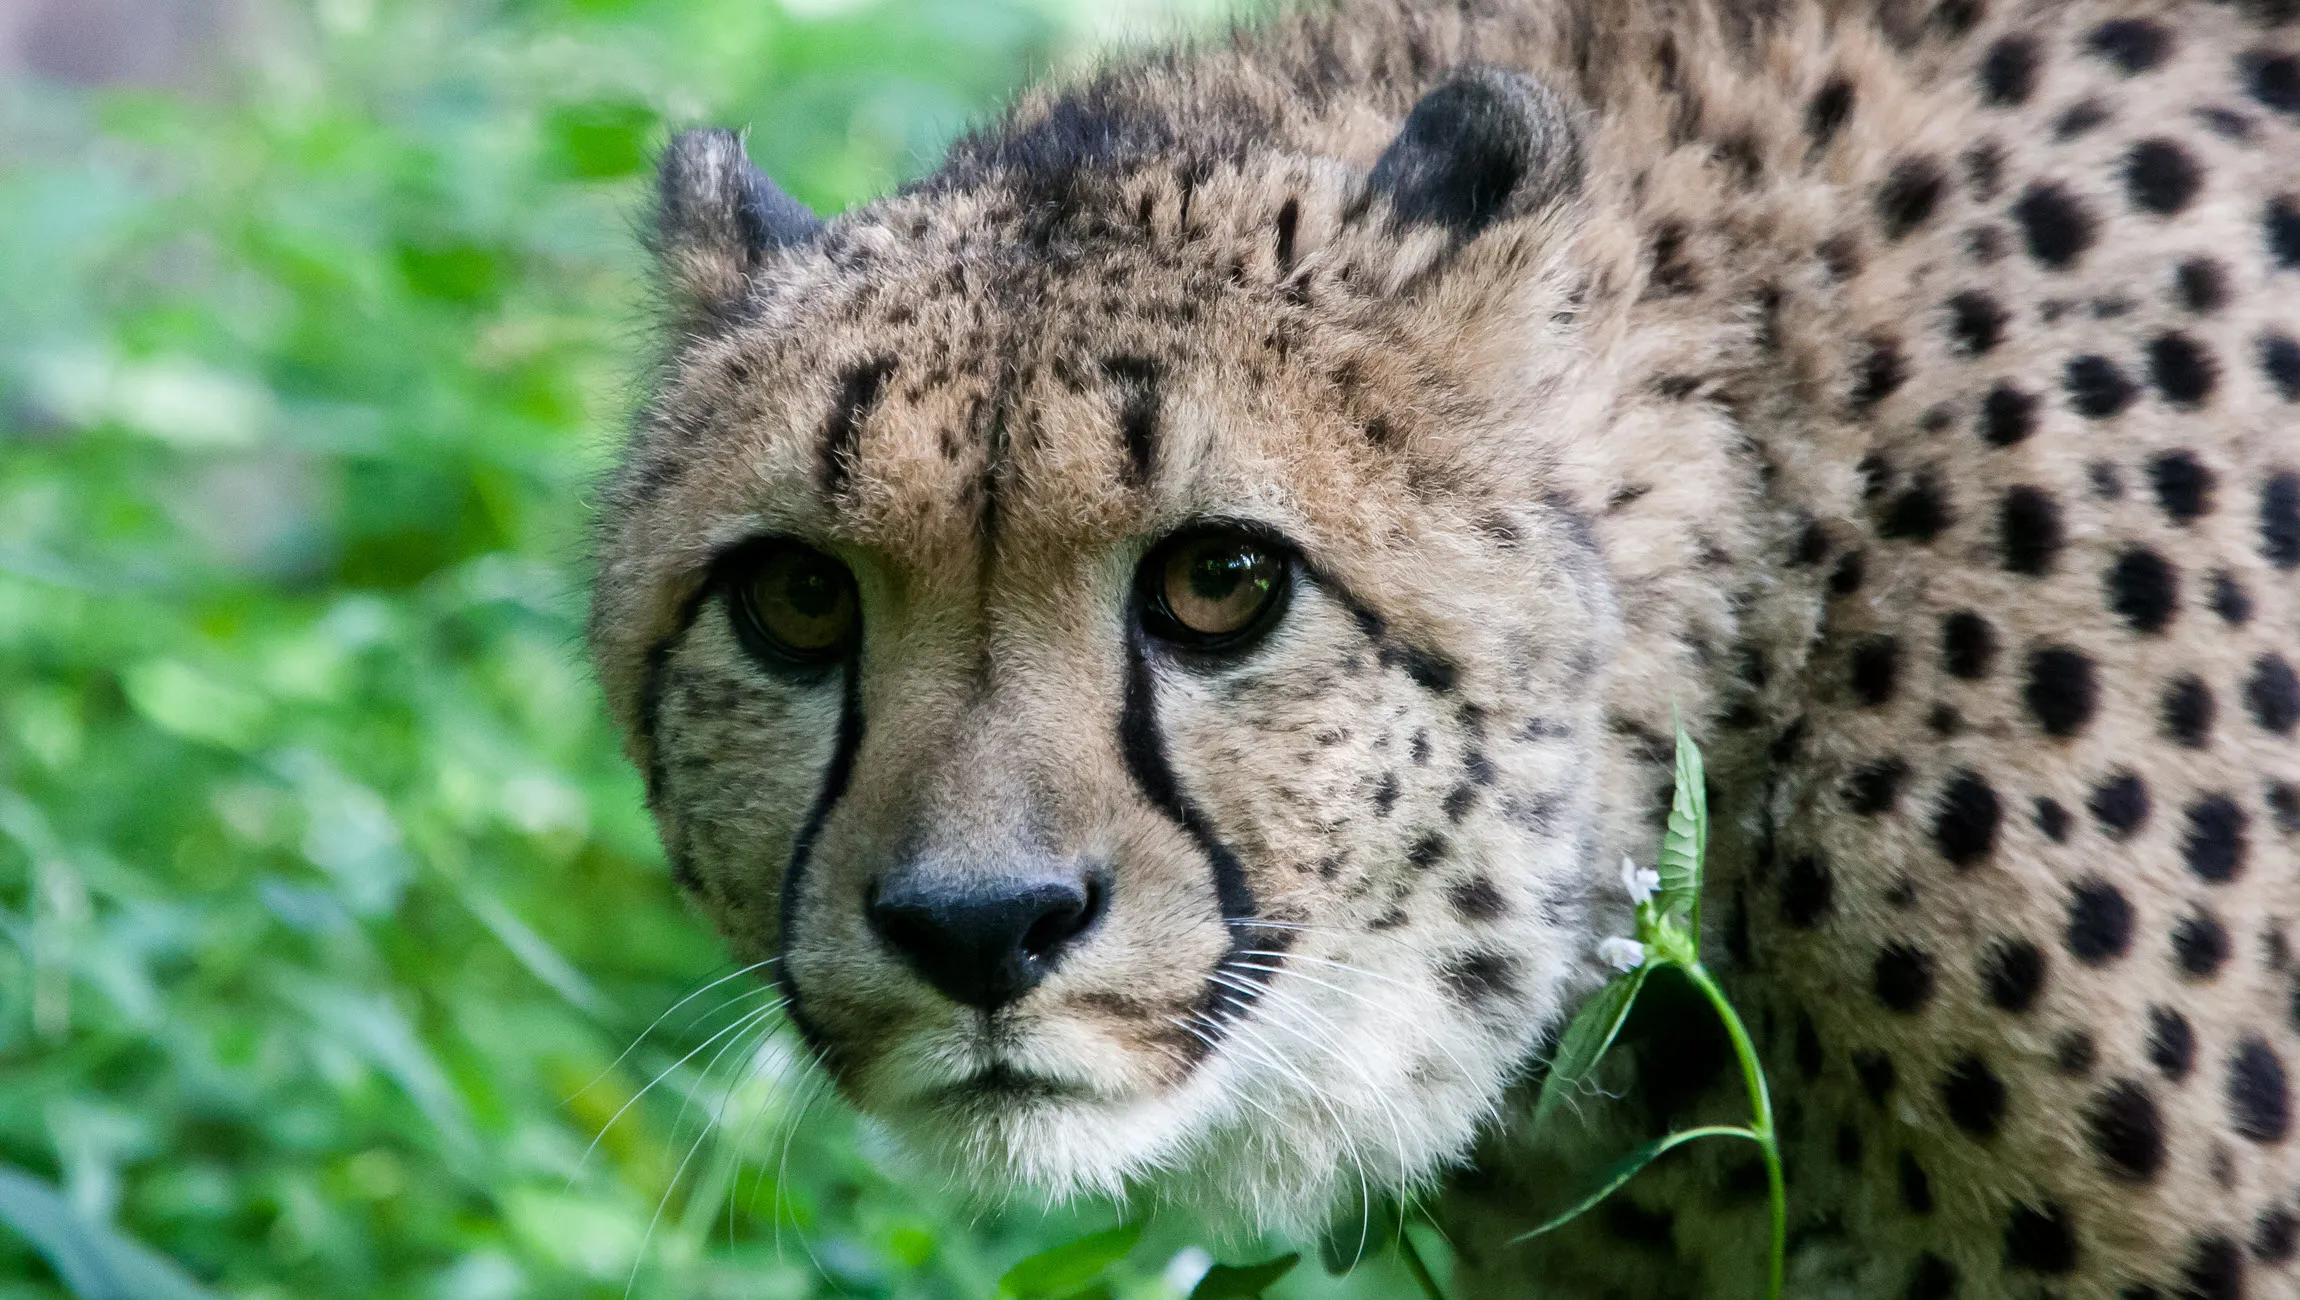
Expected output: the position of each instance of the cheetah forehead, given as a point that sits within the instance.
(1042, 364)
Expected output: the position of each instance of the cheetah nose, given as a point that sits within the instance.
(984, 941)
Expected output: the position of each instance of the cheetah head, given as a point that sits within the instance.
(1110, 626)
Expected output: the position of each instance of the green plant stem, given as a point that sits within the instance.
(1761, 1123)
(1414, 1265)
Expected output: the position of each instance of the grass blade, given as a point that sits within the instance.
(1610, 1179)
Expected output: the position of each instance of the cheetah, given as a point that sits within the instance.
(1158, 635)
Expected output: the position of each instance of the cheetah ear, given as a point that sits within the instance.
(1488, 144)
(718, 219)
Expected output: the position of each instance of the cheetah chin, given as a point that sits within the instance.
(1158, 636)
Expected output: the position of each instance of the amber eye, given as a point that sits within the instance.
(1214, 590)
(793, 605)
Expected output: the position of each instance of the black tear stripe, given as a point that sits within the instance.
(860, 387)
(833, 788)
(1144, 749)
(1137, 381)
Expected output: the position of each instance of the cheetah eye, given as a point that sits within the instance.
(792, 605)
(1215, 589)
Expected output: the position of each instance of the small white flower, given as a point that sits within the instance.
(1621, 954)
(1639, 881)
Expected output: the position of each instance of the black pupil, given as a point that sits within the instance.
(1215, 575)
(812, 591)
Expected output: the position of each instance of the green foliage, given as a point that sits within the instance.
(1067, 1268)
(1243, 1281)
(328, 909)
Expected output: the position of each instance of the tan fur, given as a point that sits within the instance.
(1608, 458)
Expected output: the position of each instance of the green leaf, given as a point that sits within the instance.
(1584, 1044)
(1610, 1179)
(1071, 1265)
(1685, 842)
(1242, 1281)
(93, 1261)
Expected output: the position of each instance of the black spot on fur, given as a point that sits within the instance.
(2029, 530)
(1916, 1187)
(2039, 1239)
(1968, 645)
(2171, 1043)
(1476, 899)
(1974, 1096)
(1902, 977)
(1875, 1071)
(2008, 71)
(2008, 415)
(2214, 1271)
(2259, 1098)
(2280, 520)
(2182, 370)
(2161, 177)
(1875, 667)
(2201, 285)
(1846, 579)
(2229, 600)
(2275, 1236)
(2134, 45)
(2058, 226)
(2127, 1132)
(1976, 322)
(2199, 946)
(2274, 80)
(2052, 820)
(2075, 1053)
(2188, 710)
(1478, 977)
(1881, 371)
(1289, 218)
(2062, 692)
(1806, 1047)
(1909, 194)
(2143, 590)
(2282, 226)
(2013, 971)
(1826, 113)
(1918, 514)
(2183, 485)
(2099, 923)
(2079, 118)
(1427, 851)
(2213, 845)
(2120, 804)
(2280, 362)
(1931, 1278)
(1873, 788)
(1965, 820)
(1806, 891)
(2272, 694)
(2097, 387)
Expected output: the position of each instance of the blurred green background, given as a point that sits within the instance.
(330, 908)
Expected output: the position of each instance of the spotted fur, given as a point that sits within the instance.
(1905, 394)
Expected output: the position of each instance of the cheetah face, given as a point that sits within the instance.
(1123, 658)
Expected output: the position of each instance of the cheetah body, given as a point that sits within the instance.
(1908, 397)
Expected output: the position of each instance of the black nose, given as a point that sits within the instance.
(983, 941)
